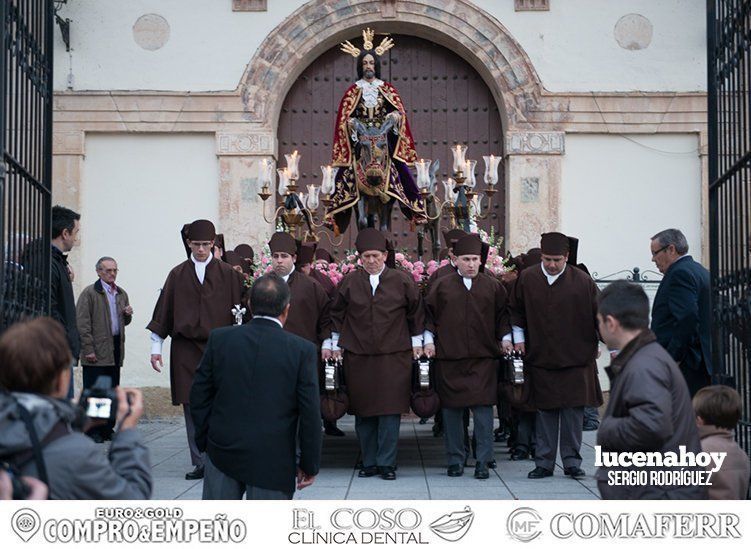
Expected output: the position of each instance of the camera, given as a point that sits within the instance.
(99, 402)
(20, 489)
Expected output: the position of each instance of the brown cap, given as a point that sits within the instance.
(370, 239)
(573, 248)
(201, 230)
(323, 254)
(531, 258)
(306, 254)
(245, 251)
(469, 244)
(283, 242)
(554, 244)
(452, 236)
(233, 258)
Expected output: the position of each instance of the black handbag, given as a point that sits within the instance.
(424, 401)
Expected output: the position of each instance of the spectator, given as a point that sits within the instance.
(34, 365)
(681, 313)
(102, 312)
(649, 408)
(65, 227)
(255, 394)
(718, 409)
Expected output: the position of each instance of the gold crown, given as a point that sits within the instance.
(367, 44)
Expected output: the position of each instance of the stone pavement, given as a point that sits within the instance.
(421, 471)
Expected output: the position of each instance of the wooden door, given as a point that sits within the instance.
(446, 100)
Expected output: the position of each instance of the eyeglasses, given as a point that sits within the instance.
(660, 250)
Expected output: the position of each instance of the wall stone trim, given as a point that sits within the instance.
(535, 143)
(249, 5)
(232, 144)
(70, 142)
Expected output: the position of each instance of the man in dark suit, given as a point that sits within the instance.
(681, 312)
(254, 395)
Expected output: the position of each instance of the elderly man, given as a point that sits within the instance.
(102, 312)
(378, 319)
(554, 316)
(197, 297)
(254, 398)
(681, 312)
(467, 313)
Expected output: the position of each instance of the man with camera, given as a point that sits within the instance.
(40, 431)
(468, 315)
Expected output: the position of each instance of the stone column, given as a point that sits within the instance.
(533, 198)
(240, 208)
(67, 173)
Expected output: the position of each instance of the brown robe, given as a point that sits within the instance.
(375, 332)
(309, 309)
(187, 311)
(440, 272)
(468, 326)
(561, 338)
(324, 281)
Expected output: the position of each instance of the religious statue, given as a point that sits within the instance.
(373, 147)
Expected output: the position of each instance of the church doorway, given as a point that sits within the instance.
(446, 101)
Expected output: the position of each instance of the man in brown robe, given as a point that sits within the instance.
(554, 317)
(449, 239)
(309, 311)
(378, 319)
(468, 316)
(309, 307)
(197, 297)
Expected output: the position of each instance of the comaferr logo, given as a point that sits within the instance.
(524, 524)
(453, 526)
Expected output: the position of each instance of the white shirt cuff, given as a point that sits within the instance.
(507, 337)
(156, 344)
(327, 343)
(427, 338)
(417, 341)
(518, 334)
(335, 341)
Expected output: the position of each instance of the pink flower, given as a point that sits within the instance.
(444, 262)
(351, 257)
(400, 256)
(432, 269)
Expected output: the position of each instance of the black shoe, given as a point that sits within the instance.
(195, 474)
(333, 431)
(455, 470)
(517, 454)
(500, 436)
(388, 473)
(591, 426)
(492, 464)
(574, 472)
(540, 472)
(423, 420)
(481, 471)
(366, 472)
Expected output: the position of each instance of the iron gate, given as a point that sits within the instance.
(729, 109)
(26, 144)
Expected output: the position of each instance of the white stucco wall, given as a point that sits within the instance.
(136, 194)
(572, 46)
(618, 191)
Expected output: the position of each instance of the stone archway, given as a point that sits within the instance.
(533, 167)
(456, 24)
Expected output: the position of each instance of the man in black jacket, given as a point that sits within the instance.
(681, 312)
(65, 227)
(254, 395)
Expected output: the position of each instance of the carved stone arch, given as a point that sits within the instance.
(457, 24)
